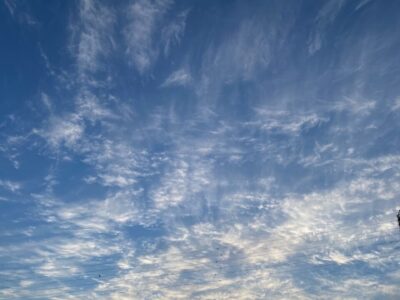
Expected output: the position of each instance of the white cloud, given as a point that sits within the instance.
(324, 18)
(250, 45)
(355, 106)
(286, 121)
(56, 269)
(180, 77)
(231, 227)
(314, 224)
(116, 180)
(90, 107)
(46, 101)
(259, 250)
(396, 105)
(12, 186)
(11, 6)
(362, 3)
(144, 20)
(26, 283)
(65, 130)
(115, 163)
(173, 32)
(102, 215)
(243, 52)
(180, 184)
(93, 33)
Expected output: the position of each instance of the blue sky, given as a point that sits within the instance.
(199, 149)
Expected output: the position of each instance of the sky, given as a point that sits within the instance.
(161, 149)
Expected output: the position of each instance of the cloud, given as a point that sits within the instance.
(266, 190)
(46, 101)
(144, 19)
(11, 6)
(63, 131)
(20, 13)
(326, 15)
(178, 78)
(11, 146)
(313, 224)
(93, 108)
(92, 35)
(355, 106)
(240, 56)
(11, 186)
(117, 164)
(396, 105)
(244, 52)
(173, 32)
(182, 183)
(286, 122)
(262, 241)
(362, 3)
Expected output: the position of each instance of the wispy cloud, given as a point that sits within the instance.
(185, 181)
(219, 258)
(173, 32)
(240, 56)
(180, 77)
(11, 186)
(355, 106)
(362, 3)
(324, 18)
(144, 19)
(221, 164)
(11, 6)
(66, 130)
(92, 35)
(21, 13)
(287, 122)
